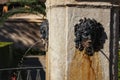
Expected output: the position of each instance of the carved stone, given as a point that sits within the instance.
(62, 16)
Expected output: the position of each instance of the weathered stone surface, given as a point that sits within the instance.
(57, 44)
(61, 50)
(77, 13)
(84, 67)
(82, 2)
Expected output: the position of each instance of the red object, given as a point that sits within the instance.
(13, 77)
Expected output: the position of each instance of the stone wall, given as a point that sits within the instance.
(62, 16)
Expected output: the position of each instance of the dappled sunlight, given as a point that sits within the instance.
(23, 34)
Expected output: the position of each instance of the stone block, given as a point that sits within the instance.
(62, 51)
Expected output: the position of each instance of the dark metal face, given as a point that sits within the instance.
(88, 33)
(87, 42)
(44, 29)
(44, 33)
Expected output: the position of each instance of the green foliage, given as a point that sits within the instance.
(34, 10)
(6, 56)
(35, 7)
(3, 44)
(30, 1)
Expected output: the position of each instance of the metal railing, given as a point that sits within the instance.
(23, 73)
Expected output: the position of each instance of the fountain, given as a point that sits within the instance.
(69, 58)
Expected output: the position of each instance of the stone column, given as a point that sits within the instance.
(62, 16)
